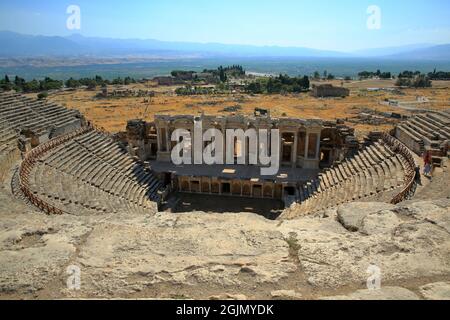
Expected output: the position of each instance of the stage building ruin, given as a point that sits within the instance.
(306, 147)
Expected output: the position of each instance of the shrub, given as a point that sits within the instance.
(42, 95)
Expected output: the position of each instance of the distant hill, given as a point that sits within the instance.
(388, 51)
(15, 45)
(440, 52)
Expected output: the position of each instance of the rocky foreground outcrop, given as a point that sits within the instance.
(236, 256)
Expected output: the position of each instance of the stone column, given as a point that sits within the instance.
(168, 139)
(192, 144)
(224, 143)
(245, 148)
(318, 146)
(158, 138)
(306, 144)
(294, 150)
(262, 190)
(281, 147)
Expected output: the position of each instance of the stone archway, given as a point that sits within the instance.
(268, 191)
(195, 186)
(215, 188)
(236, 189)
(257, 191)
(205, 187)
(185, 186)
(246, 190)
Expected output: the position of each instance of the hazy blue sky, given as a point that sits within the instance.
(323, 24)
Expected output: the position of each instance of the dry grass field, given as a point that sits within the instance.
(112, 113)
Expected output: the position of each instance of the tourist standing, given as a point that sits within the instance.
(427, 159)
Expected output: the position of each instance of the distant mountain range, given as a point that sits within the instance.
(439, 52)
(389, 51)
(15, 45)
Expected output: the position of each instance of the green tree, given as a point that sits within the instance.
(31, 86)
(254, 87)
(5, 84)
(222, 74)
(50, 84)
(72, 83)
(421, 81)
(99, 80)
(117, 81)
(274, 86)
(305, 83)
(19, 81)
(42, 95)
(92, 84)
(316, 75)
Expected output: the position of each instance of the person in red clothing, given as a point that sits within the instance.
(428, 164)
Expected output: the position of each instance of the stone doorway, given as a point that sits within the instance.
(290, 191)
(226, 188)
(257, 191)
(287, 148)
(195, 186)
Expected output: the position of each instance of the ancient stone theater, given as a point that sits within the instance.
(61, 163)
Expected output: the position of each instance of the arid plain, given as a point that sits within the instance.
(112, 114)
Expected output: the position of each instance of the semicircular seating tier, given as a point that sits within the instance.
(27, 122)
(385, 166)
(428, 131)
(43, 119)
(8, 148)
(91, 173)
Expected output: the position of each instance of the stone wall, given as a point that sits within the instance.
(327, 90)
(66, 128)
(428, 131)
(7, 160)
(410, 141)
